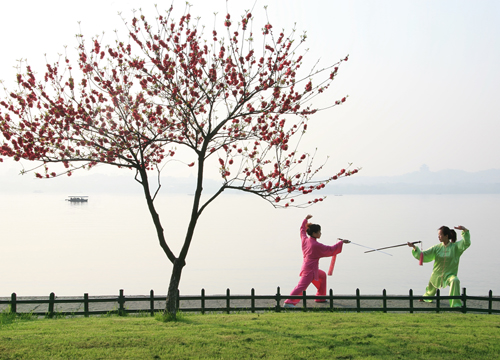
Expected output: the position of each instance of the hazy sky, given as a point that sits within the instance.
(420, 77)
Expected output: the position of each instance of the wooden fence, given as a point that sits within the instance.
(122, 305)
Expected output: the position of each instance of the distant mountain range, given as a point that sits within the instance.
(423, 181)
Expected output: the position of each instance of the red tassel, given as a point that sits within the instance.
(421, 262)
(332, 264)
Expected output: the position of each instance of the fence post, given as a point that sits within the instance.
(252, 300)
(203, 301)
(278, 300)
(490, 302)
(331, 299)
(304, 300)
(86, 304)
(464, 300)
(152, 302)
(121, 303)
(411, 301)
(13, 303)
(228, 294)
(438, 305)
(51, 304)
(384, 301)
(358, 301)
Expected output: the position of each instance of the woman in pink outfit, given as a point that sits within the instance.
(312, 251)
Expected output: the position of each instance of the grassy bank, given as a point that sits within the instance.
(269, 335)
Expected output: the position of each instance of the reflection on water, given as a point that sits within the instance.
(241, 242)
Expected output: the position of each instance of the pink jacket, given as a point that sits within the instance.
(313, 250)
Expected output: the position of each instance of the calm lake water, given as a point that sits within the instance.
(241, 242)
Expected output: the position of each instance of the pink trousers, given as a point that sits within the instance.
(304, 282)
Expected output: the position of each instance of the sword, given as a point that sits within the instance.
(372, 249)
(393, 246)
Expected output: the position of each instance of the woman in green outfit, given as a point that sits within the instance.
(446, 256)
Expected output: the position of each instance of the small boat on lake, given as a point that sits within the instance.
(77, 199)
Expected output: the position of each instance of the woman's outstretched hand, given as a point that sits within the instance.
(308, 217)
(460, 227)
(411, 245)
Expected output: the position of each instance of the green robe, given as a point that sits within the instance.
(446, 259)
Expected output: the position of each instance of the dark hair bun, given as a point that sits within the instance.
(312, 228)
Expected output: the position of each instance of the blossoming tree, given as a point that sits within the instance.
(240, 108)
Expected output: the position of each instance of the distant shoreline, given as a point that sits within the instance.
(419, 182)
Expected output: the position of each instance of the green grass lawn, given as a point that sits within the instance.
(288, 335)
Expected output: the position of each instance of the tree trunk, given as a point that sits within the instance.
(173, 288)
